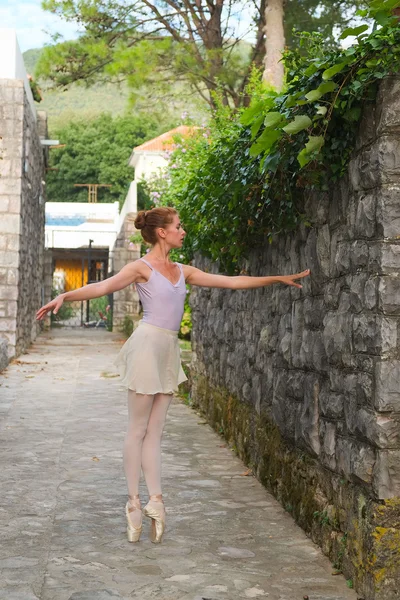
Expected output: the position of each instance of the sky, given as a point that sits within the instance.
(31, 23)
(34, 25)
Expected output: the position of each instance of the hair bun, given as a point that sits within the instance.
(140, 220)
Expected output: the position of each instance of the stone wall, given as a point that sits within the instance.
(305, 384)
(22, 171)
(126, 301)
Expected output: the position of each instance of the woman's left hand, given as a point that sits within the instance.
(290, 279)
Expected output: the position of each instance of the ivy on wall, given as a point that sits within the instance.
(242, 180)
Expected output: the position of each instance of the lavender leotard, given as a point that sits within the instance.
(162, 300)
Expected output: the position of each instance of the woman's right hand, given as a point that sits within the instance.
(54, 306)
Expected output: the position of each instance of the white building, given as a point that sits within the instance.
(151, 158)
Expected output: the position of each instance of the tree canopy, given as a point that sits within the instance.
(207, 44)
(97, 151)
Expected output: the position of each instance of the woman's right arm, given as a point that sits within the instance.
(125, 277)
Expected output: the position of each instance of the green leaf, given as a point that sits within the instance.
(272, 119)
(292, 99)
(314, 144)
(265, 141)
(250, 112)
(353, 114)
(322, 110)
(311, 70)
(329, 73)
(353, 31)
(300, 122)
(314, 95)
(322, 89)
(255, 128)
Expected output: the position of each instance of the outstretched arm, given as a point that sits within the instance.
(195, 276)
(125, 277)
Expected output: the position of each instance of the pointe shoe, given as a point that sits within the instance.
(133, 532)
(157, 519)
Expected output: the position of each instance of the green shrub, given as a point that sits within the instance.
(127, 326)
(242, 181)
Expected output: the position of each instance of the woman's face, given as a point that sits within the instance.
(174, 233)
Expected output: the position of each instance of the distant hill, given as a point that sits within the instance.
(79, 101)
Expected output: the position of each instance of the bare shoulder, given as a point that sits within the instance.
(140, 269)
(188, 270)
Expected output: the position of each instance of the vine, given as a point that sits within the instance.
(242, 180)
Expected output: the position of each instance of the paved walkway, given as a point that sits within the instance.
(62, 523)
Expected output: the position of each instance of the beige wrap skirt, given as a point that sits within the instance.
(149, 362)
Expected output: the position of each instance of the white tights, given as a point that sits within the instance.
(142, 445)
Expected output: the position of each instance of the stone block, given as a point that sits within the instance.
(307, 421)
(11, 308)
(387, 385)
(12, 277)
(8, 324)
(359, 254)
(365, 223)
(13, 242)
(3, 353)
(317, 207)
(381, 431)
(331, 404)
(14, 201)
(9, 185)
(356, 284)
(387, 335)
(328, 444)
(323, 247)
(314, 312)
(8, 292)
(376, 165)
(390, 258)
(10, 223)
(14, 112)
(297, 332)
(388, 211)
(355, 460)
(337, 337)
(340, 257)
(386, 474)
(4, 204)
(9, 259)
(365, 334)
(283, 410)
(367, 129)
(389, 294)
(11, 339)
(371, 293)
(388, 106)
(332, 293)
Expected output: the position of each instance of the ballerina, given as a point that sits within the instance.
(149, 362)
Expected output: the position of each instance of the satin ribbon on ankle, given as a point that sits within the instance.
(157, 498)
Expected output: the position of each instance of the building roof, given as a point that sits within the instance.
(165, 141)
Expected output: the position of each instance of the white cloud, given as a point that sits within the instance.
(32, 24)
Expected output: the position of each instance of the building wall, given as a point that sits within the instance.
(126, 301)
(306, 383)
(149, 164)
(22, 198)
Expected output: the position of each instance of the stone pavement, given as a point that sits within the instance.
(62, 524)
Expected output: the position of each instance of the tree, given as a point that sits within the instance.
(199, 42)
(274, 44)
(97, 152)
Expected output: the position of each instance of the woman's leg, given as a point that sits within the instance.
(151, 448)
(139, 410)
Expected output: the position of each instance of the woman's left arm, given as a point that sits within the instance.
(195, 276)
